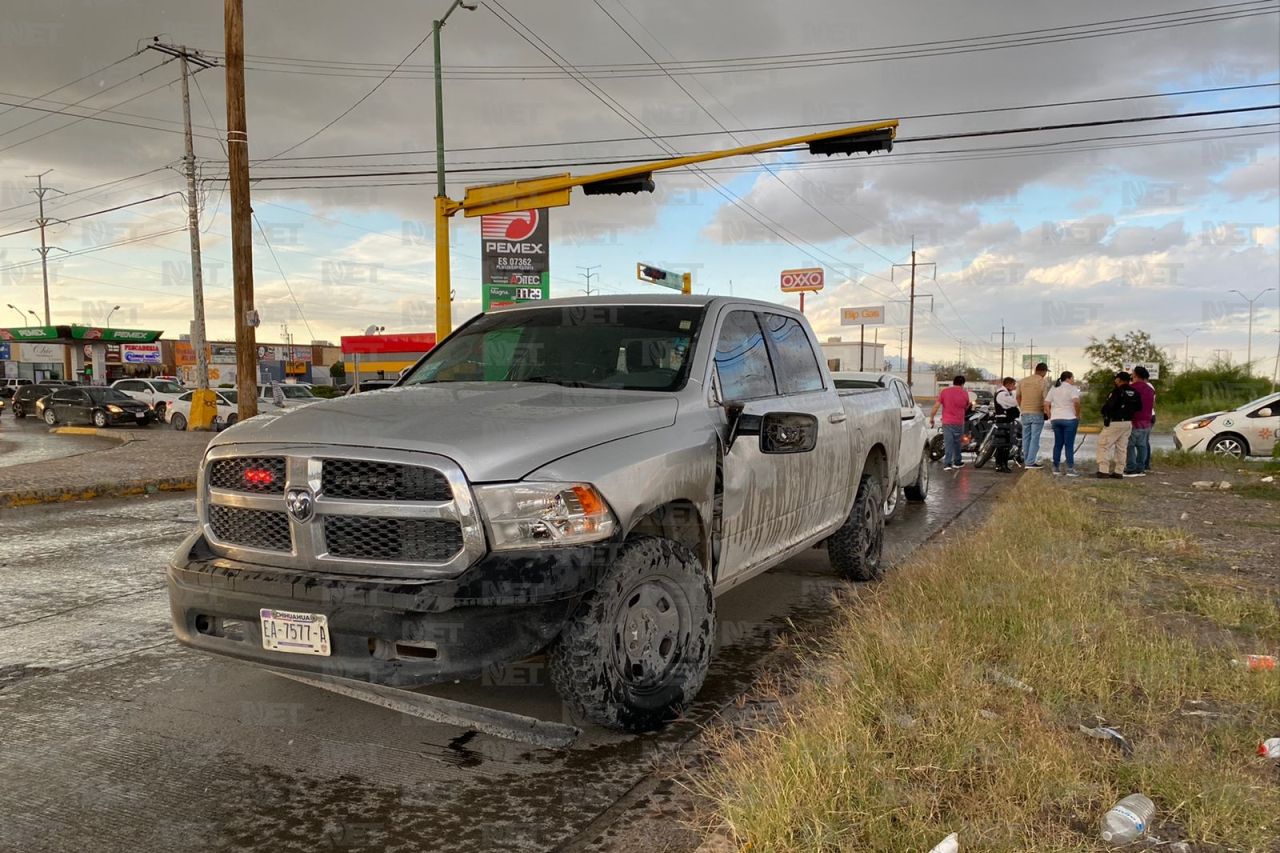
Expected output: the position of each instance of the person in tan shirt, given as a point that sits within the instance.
(1031, 392)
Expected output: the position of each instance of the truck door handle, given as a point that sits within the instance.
(836, 417)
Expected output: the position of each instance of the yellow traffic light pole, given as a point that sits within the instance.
(554, 190)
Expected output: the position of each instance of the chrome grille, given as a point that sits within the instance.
(344, 510)
(363, 479)
(412, 540)
(251, 528)
(229, 474)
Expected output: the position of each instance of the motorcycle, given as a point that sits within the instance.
(986, 447)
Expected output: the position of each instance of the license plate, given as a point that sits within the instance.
(295, 633)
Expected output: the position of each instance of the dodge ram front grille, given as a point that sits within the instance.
(255, 474)
(363, 479)
(400, 539)
(341, 510)
(251, 528)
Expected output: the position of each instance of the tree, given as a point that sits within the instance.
(338, 371)
(946, 371)
(1136, 346)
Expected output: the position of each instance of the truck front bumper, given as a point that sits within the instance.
(394, 632)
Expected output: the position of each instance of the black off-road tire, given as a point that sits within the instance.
(604, 681)
(936, 447)
(856, 550)
(919, 491)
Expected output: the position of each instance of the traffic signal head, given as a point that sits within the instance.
(621, 186)
(854, 143)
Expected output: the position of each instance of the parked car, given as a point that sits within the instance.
(178, 412)
(10, 385)
(29, 399)
(293, 395)
(913, 450)
(1249, 430)
(95, 405)
(155, 392)
(579, 476)
(371, 385)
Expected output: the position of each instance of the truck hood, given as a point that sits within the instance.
(494, 430)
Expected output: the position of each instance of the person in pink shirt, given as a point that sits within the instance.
(955, 405)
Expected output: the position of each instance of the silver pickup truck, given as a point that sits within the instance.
(580, 477)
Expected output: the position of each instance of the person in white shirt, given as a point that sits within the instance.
(1062, 408)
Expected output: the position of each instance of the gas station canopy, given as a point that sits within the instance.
(78, 334)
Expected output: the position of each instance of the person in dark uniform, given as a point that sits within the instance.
(1006, 414)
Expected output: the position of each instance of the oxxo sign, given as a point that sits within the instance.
(802, 281)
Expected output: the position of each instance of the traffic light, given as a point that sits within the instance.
(854, 143)
(642, 183)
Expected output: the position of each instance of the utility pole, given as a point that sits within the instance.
(39, 191)
(1248, 362)
(587, 273)
(186, 59)
(1031, 351)
(911, 310)
(246, 318)
(1186, 347)
(444, 292)
(1003, 335)
(902, 334)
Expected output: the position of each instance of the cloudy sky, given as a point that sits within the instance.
(1059, 234)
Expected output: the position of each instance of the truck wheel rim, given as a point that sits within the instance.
(875, 533)
(649, 631)
(891, 502)
(924, 477)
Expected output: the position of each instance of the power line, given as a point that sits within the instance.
(358, 102)
(96, 212)
(88, 251)
(850, 121)
(93, 73)
(788, 61)
(900, 141)
(90, 96)
(285, 279)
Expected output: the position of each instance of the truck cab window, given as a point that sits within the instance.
(797, 366)
(742, 360)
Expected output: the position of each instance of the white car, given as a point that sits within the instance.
(293, 395)
(1249, 430)
(156, 393)
(178, 413)
(913, 451)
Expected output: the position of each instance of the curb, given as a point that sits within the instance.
(114, 435)
(126, 488)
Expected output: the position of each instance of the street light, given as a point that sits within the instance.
(107, 323)
(23, 317)
(444, 299)
(1249, 352)
(34, 316)
(1186, 346)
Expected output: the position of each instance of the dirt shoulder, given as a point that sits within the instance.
(951, 698)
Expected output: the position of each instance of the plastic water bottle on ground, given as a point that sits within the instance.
(1270, 748)
(1128, 820)
(950, 844)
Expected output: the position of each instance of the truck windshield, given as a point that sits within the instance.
(626, 347)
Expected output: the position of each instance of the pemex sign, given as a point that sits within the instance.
(515, 258)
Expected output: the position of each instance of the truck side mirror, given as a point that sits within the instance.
(788, 432)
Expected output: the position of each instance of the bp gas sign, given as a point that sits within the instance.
(516, 260)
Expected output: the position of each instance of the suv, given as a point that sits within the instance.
(9, 386)
(580, 476)
(29, 399)
(156, 393)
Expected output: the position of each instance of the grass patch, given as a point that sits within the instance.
(903, 730)
(1248, 612)
(1183, 459)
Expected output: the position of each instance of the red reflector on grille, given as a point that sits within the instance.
(258, 477)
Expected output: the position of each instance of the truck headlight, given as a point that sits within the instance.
(537, 515)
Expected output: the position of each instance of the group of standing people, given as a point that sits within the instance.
(1128, 415)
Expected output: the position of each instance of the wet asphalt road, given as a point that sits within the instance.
(29, 440)
(112, 738)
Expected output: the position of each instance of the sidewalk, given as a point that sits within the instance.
(143, 462)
